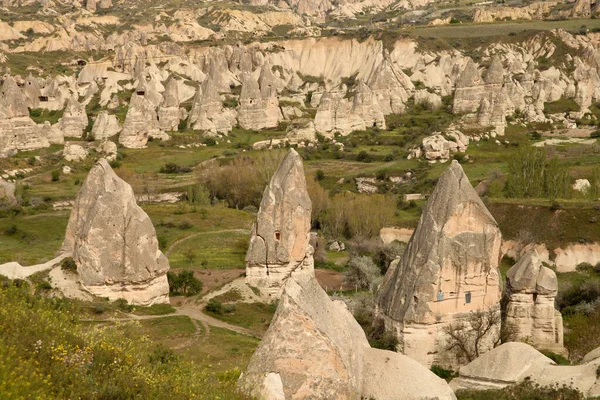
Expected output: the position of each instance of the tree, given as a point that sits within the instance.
(468, 338)
(320, 202)
(184, 283)
(362, 273)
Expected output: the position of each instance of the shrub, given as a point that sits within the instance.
(526, 390)
(320, 175)
(595, 134)
(362, 273)
(442, 372)
(55, 175)
(557, 358)
(214, 306)
(68, 265)
(172, 168)
(11, 230)
(184, 283)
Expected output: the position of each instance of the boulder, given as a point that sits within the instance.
(113, 242)
(448, 271)
(436, 148)
(280, 235)
(74, 152)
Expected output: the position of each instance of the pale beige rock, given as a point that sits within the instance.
(74, 120)
(530, 311)
(449, 269)
(169, 113)
(208, 113)
(515, 362)
(315, 349)
(74, 153)
(391, 234)
(279, 237)
(113, 242)
(105, 126)
(259, 106)
(140, 123)
(567, 259)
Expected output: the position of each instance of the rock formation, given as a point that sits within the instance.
(17, 130)
(74, 120)
(391, 88)
(515, 362)
(208, 113)
(140, 123)
(530, 312)
(113, 242)
(280, 235)
(169, 113)
(448, 271)
(315, 349)
(259, 106)
(105, 126)
(74, 152)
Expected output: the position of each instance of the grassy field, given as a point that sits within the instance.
(255, 316)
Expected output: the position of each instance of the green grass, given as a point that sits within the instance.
(37, 240)
(156, 309)
(167, 327)
(225, 250)
(255, 316)
(229, 297)
(222, 350)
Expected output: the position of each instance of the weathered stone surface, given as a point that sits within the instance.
(315, 349)
(280, 235)
(530, 311)
(391, 88)
(208, 113)
(74, 152)
(259, 106)
(449, 269)
(74, 120)
(516, 362)
(169, 113)
(436, 148)
(113, 242)
(105, 126)
(140, 123)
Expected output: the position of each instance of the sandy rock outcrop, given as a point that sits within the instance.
(515, 362)
(17, 130)
(280, 235)
(140, 123)
(74, 120)
(530, 312)
(113, 242)
(315, 349)
(169, 113)
(105, 126)
(448, 271)
(74, 152)
(259, 105)
(568, 258)
(208, 113)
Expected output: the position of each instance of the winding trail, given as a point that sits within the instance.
(183, 239)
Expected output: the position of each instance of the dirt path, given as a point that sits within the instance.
(183, 239)
(192, 311)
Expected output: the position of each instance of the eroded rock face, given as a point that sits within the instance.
(208, 113)
(449, 270)
(105, 126)
(74, 120)
(140, 123)
(169, 113)
(259, 106)
(315, 349)
(280, 235)
(530, 312)
(515, 362)
(113, 242)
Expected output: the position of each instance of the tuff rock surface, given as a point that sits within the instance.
(314, 348)
(113, 242)
(449, 269)
(530, 312)
(280, 235)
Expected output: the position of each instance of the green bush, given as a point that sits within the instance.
(172, 168)
(184, 283)
(526, 390)
(68, 265)
(11, 230)
(214, 306)
(55, 175)
(442, 372)
(557, 358)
